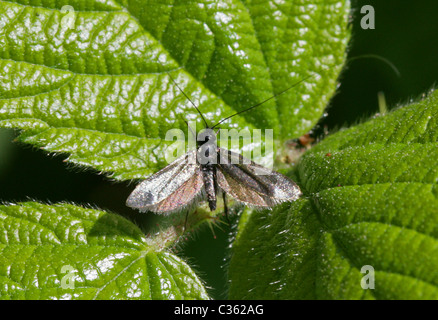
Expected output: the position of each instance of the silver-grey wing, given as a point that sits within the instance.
(182, 197)
(170, 189)
(253, 184)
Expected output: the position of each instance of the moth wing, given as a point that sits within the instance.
(253, 184)
(181, 197)
(161, 185)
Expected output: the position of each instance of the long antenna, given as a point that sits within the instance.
(188, 125)
(260, 103)
(179, 88)
(185, 95)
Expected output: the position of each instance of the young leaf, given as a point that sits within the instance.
(67, 252)
(370, 205)
(96, 83)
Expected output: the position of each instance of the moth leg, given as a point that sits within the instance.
(224, 196)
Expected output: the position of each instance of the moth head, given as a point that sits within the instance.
(206, 136)
(207, 147)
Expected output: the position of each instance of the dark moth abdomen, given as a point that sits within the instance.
(209, 177)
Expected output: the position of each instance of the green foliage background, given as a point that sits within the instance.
(399, 37)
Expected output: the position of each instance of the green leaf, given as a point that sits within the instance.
(99, 88)
(67, 252)
(370, 200)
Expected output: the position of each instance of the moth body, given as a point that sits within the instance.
(215, 170)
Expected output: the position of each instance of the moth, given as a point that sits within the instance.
(210, 171)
